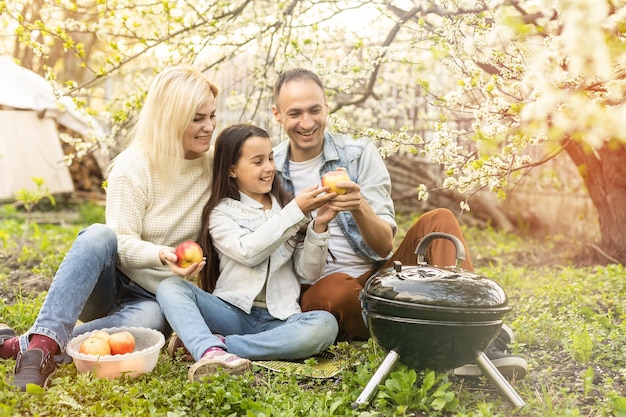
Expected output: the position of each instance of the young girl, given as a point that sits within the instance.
(254, 257)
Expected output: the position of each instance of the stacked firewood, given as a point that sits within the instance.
(409, 171)
(87, 175)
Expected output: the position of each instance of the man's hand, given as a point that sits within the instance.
(377, 233)
(352, 200)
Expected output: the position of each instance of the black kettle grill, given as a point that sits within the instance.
(435, 318)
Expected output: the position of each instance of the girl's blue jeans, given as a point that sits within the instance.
(196, 316)
(88, 287)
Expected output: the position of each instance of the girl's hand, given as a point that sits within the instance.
(313, 198)
(324, 216)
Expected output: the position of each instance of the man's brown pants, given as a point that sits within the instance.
(339, 293)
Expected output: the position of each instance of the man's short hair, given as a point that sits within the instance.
(293, 75)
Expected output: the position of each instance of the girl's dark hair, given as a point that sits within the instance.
(227, 152)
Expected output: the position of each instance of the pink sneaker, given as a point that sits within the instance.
(176, 348)
(216, 360)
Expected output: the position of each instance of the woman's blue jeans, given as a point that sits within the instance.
(196, 315)
(89, 287)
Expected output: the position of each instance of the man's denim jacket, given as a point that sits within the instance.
(365, 166)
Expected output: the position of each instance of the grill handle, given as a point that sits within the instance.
(420, 251)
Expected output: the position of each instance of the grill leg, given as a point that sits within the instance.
(483, 362)
(380, 374)
(503, 386)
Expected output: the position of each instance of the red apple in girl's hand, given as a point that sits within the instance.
(330, 179)
(121, 342)
(188, 253)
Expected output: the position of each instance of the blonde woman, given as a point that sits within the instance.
(157, 188)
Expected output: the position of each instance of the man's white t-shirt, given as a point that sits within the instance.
(346, 260)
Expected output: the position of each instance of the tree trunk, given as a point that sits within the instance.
(604, 173)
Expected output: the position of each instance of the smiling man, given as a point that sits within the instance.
(361, 236)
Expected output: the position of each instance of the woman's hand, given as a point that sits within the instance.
(168, 257)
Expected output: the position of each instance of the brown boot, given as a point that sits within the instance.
(33, 367)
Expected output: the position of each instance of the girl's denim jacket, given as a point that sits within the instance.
(366, 167)
(257, 248)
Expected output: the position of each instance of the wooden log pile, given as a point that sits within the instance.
(86, 173)
(409, 171)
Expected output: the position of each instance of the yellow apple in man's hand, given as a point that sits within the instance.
(188, 252)
(330, 180)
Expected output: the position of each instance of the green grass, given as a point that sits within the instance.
(569, 325)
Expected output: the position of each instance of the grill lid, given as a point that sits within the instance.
(440, 287)
(434, 286)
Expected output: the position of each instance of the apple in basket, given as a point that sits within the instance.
(101, 343)
(102, 335)
(95, 346)
(121, 342)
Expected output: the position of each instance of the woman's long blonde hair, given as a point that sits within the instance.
(172, 101)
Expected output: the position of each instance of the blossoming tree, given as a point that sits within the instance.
(494, 77)
(527, 73)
